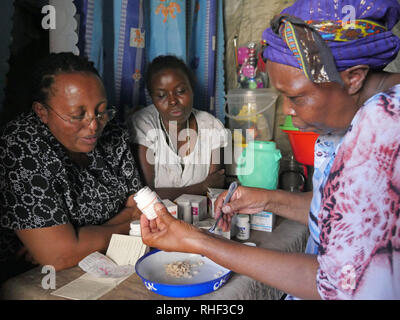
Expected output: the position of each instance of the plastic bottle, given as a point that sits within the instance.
(258, 165)
(135, 229)
(146, 199)
(187, 211)
(264, 132)
(243, 225)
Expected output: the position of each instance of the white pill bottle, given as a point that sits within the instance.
(135, 229)
(145, 200)
(243, 225)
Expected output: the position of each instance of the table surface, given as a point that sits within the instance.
(288, 236)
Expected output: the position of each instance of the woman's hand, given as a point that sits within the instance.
(244, 200)
(130, 202)
(135, 213)
(167, 233)
(24, 254)
(133, 209)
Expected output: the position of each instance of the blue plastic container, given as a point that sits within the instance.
(151, 269)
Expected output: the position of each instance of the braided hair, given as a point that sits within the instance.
(52, 65)
(167, 62)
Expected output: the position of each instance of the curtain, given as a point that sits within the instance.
(90, 44)
(206, 55)
(122, 36)
(111, 34)
(166, 28)
(194, 31)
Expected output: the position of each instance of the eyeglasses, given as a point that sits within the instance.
(80, 121)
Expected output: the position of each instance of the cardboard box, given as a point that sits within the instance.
(232, 232)
(212, 195)
(209, 222)
(171, 207)
(198, 207)
(205, 224)
(263, 221)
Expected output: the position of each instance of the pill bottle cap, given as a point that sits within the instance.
(143, 197)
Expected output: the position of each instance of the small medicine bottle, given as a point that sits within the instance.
(146, 199)
(135, 229)
(243, 225)
(187, 211)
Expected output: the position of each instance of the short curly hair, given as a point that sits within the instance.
(167, 62)
(52, 65)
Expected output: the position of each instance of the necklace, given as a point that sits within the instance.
(170, 141)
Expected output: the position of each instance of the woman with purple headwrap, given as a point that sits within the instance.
(326, 58)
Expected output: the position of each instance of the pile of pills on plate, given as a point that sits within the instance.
(182, 269)
(218, 274)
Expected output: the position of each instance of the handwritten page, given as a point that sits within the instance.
(102, 266)
(125, 250)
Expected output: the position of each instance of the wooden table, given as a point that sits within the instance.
(288, 236)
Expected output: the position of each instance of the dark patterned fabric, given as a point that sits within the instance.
(313, 55)
(41, 187)
(357, 29)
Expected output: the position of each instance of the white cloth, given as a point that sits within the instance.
(146, 130)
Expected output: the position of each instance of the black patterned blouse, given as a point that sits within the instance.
(41, 187)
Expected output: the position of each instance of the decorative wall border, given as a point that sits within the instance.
(64, 37)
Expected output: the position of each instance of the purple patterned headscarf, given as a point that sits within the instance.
(371, 42)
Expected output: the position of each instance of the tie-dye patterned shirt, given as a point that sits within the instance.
(324, 155)
(359, 216)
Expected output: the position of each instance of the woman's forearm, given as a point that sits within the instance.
(91, 239)
(99, 236)
(66, 246)
(291, 205)
(173, 193)
(127, 214)
(293, 273)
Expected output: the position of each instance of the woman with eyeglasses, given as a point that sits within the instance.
(67, 174)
